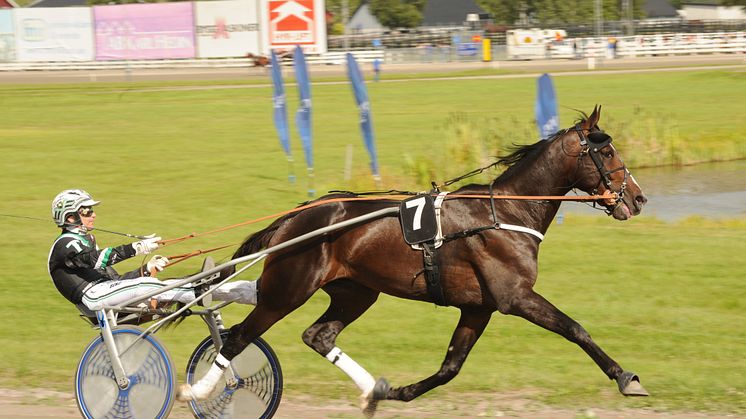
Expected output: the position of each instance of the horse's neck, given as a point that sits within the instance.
(545, 176)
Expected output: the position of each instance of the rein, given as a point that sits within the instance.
(592, 144)
(604, 196)
(398, 197)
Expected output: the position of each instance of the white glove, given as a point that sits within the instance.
(146, 246)
(156, 264)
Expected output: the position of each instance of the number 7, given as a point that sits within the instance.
(420, 204)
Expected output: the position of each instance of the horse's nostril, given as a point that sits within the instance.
(641, 200)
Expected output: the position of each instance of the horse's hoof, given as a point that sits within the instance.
(369, 401)
(184, 393)
(629, 385)
(369, 407)
(381, 389)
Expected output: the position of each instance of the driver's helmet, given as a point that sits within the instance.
(69, 202)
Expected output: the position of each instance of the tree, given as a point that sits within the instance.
(335, 7)
(554, 12)
(398, 13)
(557, 12)
(741, 3)
(507, 11)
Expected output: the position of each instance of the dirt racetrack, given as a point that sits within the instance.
(45, 404)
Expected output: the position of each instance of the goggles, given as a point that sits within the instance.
(85, 211)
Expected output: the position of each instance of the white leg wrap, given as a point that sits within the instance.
(201, 389)
(362, 378)
(242, 292)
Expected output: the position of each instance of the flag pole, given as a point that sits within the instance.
(279, 105)
(291, 169)
(366, 125)
(303, 120)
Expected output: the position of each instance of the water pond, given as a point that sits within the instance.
(713, 190)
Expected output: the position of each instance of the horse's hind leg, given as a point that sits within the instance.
(469, 329)
(275, 302)
(536, 309)
(349, 301)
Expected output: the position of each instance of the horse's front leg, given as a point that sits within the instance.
(536, 309)
(469, 329)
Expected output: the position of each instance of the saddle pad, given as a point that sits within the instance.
(418, 221)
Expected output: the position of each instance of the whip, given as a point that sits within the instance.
(134, 236)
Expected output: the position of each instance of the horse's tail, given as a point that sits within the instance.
(256, 242)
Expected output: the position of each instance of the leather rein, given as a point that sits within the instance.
(592, 144)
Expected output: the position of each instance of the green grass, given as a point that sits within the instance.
(665, 300)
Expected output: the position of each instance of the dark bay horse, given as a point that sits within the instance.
(483, 272)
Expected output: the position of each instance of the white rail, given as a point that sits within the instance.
(665, 44)
(326, 58)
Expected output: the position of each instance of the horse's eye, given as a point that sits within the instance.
(608, 154)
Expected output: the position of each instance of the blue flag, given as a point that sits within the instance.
(303, 115)
(361, 97)
(547, 118)
(279, 104)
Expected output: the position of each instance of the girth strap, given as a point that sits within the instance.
(498, 226)
(432, 273)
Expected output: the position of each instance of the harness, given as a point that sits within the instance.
(427, 235)
(422, 230)
(593, 143)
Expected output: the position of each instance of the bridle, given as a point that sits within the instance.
(592, 144)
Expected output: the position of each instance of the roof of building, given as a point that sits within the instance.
(7, 4)
(700, 2)
(448, 12)
(656, 9)
(58, 3)
(363, 20)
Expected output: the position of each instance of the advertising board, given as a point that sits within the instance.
(144, 31)
(7, 36)
(53, 34)
(227, 28)
(294, 22)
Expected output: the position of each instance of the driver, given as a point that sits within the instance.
(84, 275)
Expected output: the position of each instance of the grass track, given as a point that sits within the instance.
(665, 300)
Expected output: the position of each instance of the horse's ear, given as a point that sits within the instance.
(592, 120)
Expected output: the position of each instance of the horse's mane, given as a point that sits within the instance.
(522, 155)
(520, 152)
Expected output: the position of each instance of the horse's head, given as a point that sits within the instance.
(601, 170)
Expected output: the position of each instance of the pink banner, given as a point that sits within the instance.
(144, 31)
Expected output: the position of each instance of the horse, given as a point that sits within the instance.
(263, 60)
(482, 270)
(258, 60)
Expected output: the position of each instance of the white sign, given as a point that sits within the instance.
(54, 34)
(227, 28)
(7, 36)
(294, 22)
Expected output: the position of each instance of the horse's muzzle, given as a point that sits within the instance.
(628, 207)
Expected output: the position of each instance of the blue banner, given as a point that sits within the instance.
(279, 103)
(303, 115)
(361, 97)
(467, 49)
(547, 118)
